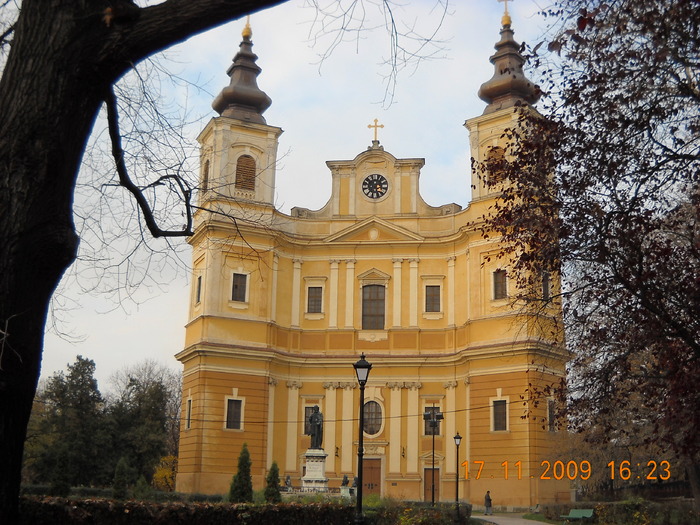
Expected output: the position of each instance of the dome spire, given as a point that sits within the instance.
(509, 84)
(242, 99)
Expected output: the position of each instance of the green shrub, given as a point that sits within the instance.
(272, 485)
(142, 490)
(121, 473)
(241, 490)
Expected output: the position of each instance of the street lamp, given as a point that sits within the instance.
(362, 368)
(433, 417)
(458, 441)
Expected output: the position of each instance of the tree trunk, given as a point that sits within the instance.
(694, 477)
(63, 58)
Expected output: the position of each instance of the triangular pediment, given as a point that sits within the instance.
(376, 230)
(373, 275)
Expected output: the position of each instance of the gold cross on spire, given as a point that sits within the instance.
(375, 126)
(247, 31)
(506, 21)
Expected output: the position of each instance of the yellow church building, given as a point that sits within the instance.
(282, 306)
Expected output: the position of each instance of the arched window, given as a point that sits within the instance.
(245, 173)
(373, 418)
(495, 163)
(373, 307)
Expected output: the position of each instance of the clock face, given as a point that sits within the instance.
(375, 186)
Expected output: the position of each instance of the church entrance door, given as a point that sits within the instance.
(428, 485)
(371, 476)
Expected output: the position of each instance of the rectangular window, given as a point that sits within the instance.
(551, 415)
(373, 307)
(432, 298)
(239, 287)
(315, 300)
(432, 417)
(188, 419)
(233, 413)
(307, 424)
(546, 284)
(500, 290)
(198, 293)
(499, 415)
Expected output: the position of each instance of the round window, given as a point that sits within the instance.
(373, 417)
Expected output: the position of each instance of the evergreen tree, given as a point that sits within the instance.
(74, 417)
(272, 487)
(121, 474)
(241, 490)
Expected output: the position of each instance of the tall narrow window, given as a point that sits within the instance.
(239, 287)
(307, 424)
(198, 293)
(500, 289)
(546, 284)
(373, 307)
(188, 418)
(499, 415)
(233, 414)
(205, 176)
(432, 298)
(315, 300)
(495, 163)
(551, 415)
(245, 173)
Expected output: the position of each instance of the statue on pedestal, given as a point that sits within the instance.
(316, 428)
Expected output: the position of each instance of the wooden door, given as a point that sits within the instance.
(371, 476)
(428, 484)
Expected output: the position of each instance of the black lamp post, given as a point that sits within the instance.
(433, 417)
(458, 441)
(362, 368)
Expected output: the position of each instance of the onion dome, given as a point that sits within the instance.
(509, 84)
(242, 99)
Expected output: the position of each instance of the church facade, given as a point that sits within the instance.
(282, 306)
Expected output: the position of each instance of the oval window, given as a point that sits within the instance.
(373, 417)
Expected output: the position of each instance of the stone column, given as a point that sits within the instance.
(333, 295)
(329, 421)
(347, 456)
(450, 291)
(395, 438)
(271, 384)
(397, 292)
(413, 427)
(273, 299)
(293, 387)
(296, 292)
(413, 292)
(450, 425)
(349, 292)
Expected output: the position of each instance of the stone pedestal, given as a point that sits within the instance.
(315, 477)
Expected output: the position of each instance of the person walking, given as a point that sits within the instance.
(487, 504)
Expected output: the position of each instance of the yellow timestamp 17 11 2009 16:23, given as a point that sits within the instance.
(571, 470)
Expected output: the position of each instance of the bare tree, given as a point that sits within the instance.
(61, 63)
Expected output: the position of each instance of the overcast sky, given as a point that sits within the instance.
(324, 111)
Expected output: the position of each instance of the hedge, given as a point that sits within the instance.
(65, 511)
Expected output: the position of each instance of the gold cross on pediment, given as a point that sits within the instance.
(375, 126)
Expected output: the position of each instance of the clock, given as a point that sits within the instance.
(375, 186)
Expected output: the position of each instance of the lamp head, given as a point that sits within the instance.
(362, 368)
(458, 439)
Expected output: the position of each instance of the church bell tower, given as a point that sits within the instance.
(239, 148)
